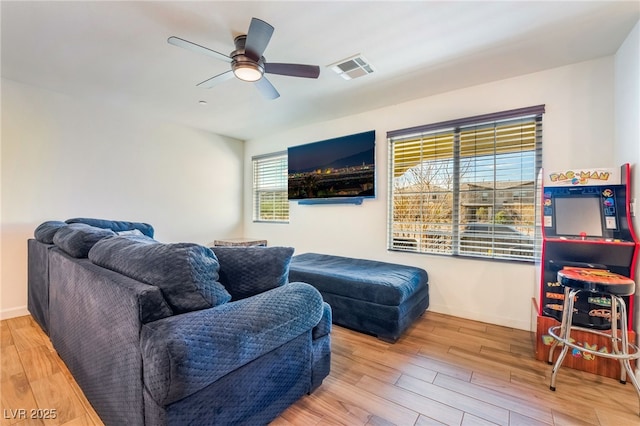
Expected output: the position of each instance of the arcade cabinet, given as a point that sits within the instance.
(586, 222)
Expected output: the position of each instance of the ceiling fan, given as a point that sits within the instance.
(247, 62)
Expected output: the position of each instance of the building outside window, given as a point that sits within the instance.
(467, 187)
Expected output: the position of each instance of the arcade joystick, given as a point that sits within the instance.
(583, 235)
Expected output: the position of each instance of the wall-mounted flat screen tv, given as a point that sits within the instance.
(334, 168)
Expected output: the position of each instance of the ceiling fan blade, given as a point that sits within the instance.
(258, 38)
(292, 70)
(217, 79)
(266, 88)
(177, 41)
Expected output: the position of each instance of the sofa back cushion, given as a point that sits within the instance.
(186, 273)
(247, 271)
(77, 239)
(46, 230)
(115, 225)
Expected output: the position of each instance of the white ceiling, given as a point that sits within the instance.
(117, 52)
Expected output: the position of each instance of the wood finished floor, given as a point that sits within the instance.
(444, 370)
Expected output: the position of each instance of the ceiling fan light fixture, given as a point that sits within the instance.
(247, 62)
(247, 71)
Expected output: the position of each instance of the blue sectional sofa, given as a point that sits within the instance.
(173, 334)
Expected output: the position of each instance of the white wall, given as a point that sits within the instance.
(577, 132)
(627, 126)
(63, 158)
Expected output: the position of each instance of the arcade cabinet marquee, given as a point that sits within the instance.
(586, 222)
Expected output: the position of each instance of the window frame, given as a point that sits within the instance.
(447, 153)
(269, 175)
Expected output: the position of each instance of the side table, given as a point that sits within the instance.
(238, 242)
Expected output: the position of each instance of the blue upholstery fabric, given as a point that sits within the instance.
(78, 238)
(95, 321)
(324, 326)
(46, 230)
(254, 394)
(141, 362)
(321, 347)
(38, 266)
(185, 353)
(321, 360)
(186, 273)
(115, 225)
(369, 280)
(386, 322)
(38, 282)
(373, 297)
(247, 271)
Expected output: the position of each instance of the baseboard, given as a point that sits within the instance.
(13, 312)
(482, 317)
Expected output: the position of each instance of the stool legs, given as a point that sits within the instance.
(563, 325)
(615, 339)
(625, 364)
(565, 333)
(619, 339)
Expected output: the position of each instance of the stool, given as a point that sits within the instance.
(576, 280)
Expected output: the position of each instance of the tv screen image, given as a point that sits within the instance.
(334, 168)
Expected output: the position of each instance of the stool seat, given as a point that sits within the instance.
(596, 281)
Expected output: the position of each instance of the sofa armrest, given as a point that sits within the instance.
(324, 326)
(185, 353)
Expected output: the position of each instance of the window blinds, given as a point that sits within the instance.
(270, 202)
(466, 187)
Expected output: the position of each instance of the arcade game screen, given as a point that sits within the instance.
(577, 216)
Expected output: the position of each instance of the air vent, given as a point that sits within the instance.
(353, 67)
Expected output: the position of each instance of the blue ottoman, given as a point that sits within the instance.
(378, 298)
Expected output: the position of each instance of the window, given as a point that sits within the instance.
(452, 185)
(270, 203)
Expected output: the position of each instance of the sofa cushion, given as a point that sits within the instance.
(77, 239)
(115, 225)
(132, 232)
(247, 271)
(364, 280)
(46, 230)
(183, 354)
(186, 273)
